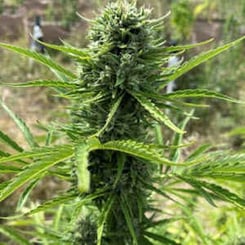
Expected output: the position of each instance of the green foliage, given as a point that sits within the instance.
(1, 6)
(110, 160)
(197, 60)
(182, 19)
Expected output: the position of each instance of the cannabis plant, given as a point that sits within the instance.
(116, 165)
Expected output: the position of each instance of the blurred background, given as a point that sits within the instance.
(191, 21)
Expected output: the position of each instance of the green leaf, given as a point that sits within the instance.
(160, 238)
(219, 162)
(3, 154)
(193, 222)
(39, 58)
(103, 218)
(163, 98)
(220, 166)
(14, 235)
(199, 93)
(188, 46)
(198, 186)
(237, 131)
(110, 116)
(129, 219)
(225, 194)
(81, 160)
(5, 138)
(61, 199)
(219, 191)
(137, 149)
(197, 152)
(152, 188)
(79, 53)
(201, 58)
(141, 150)
(22, 126)
(42, 83)
(178, 138)
(25, 194)
(36, 169)
(9, 169)
(38, 152)
(145, 241)
(236, 177)
(156, 113)
(162, 222)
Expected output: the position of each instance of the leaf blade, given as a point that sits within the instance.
(5, 138)
(199, 93)
(35, 170)
(39, 58)
(21, 125)
(201, 58)
(156, 113)
(41, 83)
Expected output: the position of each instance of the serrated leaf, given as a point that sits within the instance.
(129, 219)
(219, 191)
(199, 93)
(156, 113)
(200, 150)
(62, 199)
(38, 152)
(9, 169)
(176, 152)
(79, 53)
(201, 58)
(110, 116)
(3, 154)
(236, 177)
(41, 83)
(144, 241)
(198, 186)
(188, 46)
(137, 149)
(152, 188)
(162, 222)
(81, 161)
(21, 124)
(14, 235)
(5, 138)
(220, 166)
(163, 98)
(39, 58)
(194, 222)
(25, 194)
(141, 150)
(160, 238)
(103, 218)
(225, 194)
(36, 169)
(219, 162)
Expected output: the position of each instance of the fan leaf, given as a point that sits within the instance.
(156, 113)
(201, 58)
(42, 83)
(22, 126)
(199, 93)
(39, 58)
(6, 139)
(36, 169)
